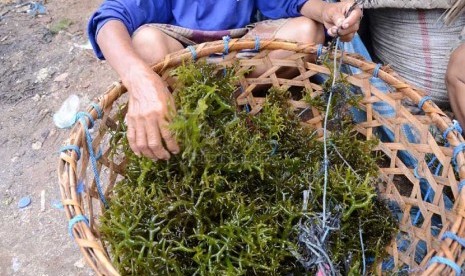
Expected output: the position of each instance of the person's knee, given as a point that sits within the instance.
(455, 72)
(304, 30)
(151, 44)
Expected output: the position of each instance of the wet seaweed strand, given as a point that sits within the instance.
(231, 202)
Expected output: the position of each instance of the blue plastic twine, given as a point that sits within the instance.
(74, 148)
(447, 262)
(92, 157)
(457, 150)
(73, 221)
(376, 71)
(423, 101)
(98, 110)
(257, 43)
(226, 39)
(452, 236)
(193, 52)
(455, 126)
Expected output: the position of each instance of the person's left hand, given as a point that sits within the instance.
(333, 16)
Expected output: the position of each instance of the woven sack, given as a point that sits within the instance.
(417, 45)
(401, 184)
(409, 4)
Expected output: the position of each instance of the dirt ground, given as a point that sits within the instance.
(43, 60)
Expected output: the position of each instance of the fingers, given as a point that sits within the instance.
(342, 26)
(145, 138)
(140, 144)
(167, 136)
(354, 17)
(348, 34)
(154, 144)
(131, 135)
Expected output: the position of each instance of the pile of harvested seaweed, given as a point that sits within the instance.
(232, 201)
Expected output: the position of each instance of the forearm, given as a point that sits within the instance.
(313, 9)
(115, 43)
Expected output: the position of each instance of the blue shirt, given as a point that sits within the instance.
(208, 15)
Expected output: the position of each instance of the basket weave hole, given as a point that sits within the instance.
(416, 217)
(403, 185)
(436, 224)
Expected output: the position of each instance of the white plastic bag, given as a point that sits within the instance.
(65, 117)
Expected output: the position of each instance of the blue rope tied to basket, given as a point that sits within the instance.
(257, 44)
(455, 126)
(423, 101)
(454, 237)
(193, 52)
(447, 262)
(226, 39)
(376, 71)
(97, 109)
(74, 220)
(459, 148)
(93, 159)
(74, 148)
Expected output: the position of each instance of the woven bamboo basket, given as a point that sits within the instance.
(399, 182)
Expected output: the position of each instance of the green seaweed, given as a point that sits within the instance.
(229, 204)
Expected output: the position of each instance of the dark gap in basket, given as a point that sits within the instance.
(416, 217)
(403, 185)
(420, 251)
(436, 225)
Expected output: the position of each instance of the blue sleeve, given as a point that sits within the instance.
(276, 9)
(132, 13)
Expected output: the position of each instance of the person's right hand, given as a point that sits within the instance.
(150, 110)
(333, 17)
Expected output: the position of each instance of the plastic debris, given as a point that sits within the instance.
(81, 263)
(24, 202)
(36, 145)
(66, 115)
(42, 201)
(56, 203)
(36, 8)
(86, 46)
(15, 264)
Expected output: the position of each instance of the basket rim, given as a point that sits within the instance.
(91, 246)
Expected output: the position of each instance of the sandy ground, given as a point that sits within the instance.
(42, 62)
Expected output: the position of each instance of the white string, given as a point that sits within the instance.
(325, 149)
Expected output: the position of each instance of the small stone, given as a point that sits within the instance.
(36, 98)
(8, 200)
(42, 75)
(14, 159)
(61, 77)
(80, 263)
(44, 112)
(45, 134)
(37, 145)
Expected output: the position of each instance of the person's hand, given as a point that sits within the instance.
(333, 16)
(150, 110)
